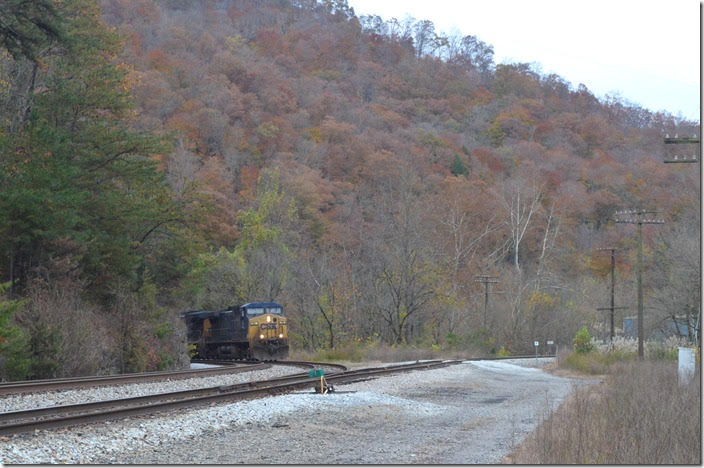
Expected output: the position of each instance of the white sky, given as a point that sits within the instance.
(646, 51)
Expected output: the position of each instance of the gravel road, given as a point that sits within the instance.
(474, 412)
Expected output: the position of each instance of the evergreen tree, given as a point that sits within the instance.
(78, 175)
(458, 168)
(26, 26)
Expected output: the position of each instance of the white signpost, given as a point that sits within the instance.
(536, 344)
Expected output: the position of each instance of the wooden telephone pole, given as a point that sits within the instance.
(613, 287)
(486, 280)
(637, 216)
(694, 140)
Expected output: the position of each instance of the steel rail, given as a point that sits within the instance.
(60, 416)
(312, 364)
(500, 358)
(307, 364)
(27, 386)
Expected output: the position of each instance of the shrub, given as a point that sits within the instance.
(587, 363)
(14, 363)
(453, 341)
(583, 341)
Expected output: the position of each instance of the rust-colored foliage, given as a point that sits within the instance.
(355, 119)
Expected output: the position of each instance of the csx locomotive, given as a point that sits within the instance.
(256, 330)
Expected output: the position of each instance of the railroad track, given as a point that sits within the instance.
(306, 364)
(500, 358)
(28, 386)
(226, 367)
(14, 422)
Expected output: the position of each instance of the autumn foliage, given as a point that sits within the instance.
(363, 172)
(412, 162)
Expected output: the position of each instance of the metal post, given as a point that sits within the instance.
(536, 344)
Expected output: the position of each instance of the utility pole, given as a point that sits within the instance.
(637, 217)
(694, 140)
(486, 280)
(682, 140)
(613, 287)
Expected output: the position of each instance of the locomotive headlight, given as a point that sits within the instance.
(281, 335)
(261, 337)
(268, 318)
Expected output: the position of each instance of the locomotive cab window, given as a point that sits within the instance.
(251, 312)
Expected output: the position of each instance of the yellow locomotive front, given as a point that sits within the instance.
(268, 332)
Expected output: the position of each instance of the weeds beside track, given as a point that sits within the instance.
(638, 415)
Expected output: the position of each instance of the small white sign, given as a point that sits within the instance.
(550, 342)
(536, 344)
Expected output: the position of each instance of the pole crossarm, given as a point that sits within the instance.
(640, 221)
(681, 140)
(489, 278)
(685, 159)
(636, 216)
(682, 158)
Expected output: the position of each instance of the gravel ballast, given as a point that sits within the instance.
(72, 397)
(474, 412)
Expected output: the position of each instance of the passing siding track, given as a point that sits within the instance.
(48, 385)
(14, 422)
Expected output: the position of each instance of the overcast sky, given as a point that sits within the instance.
(645, 51)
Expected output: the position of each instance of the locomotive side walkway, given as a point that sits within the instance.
(473, 412)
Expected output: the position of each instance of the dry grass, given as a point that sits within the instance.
(639, 415)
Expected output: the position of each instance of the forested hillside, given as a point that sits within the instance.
(161, 156)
